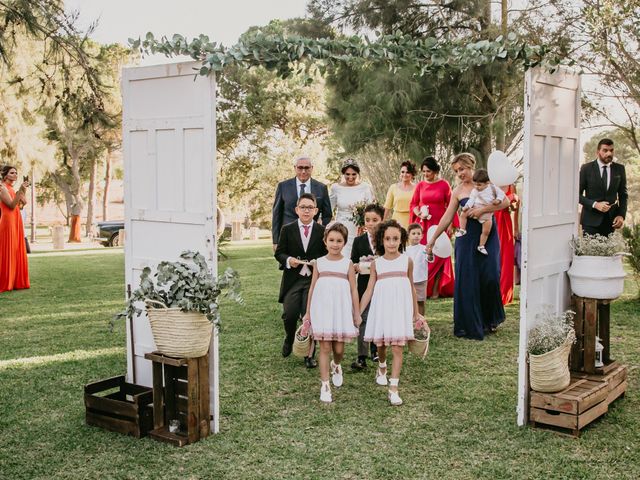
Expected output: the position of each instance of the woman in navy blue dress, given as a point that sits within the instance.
(477, 304)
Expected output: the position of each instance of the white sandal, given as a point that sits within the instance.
(381, 378)
(394, 396)
(325, 393)
(336, 374)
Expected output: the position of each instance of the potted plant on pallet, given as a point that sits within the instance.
(549, 345)
(181, 300)
(596, 269)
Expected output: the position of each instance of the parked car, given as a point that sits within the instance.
(107, 233)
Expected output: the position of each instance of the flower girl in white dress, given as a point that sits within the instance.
(333, 311)
(394, 307)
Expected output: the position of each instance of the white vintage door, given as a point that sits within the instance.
(170, 186)
(549, 201)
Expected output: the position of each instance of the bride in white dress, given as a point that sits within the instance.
(344, 195)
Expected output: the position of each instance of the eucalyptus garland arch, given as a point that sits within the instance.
(286, 54)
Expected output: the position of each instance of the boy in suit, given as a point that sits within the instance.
(603, 192)
(299, 241)
(363, 247)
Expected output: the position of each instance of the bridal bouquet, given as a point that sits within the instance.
(357, 212)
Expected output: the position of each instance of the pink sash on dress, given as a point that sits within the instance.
(344, 276)
(384, 275)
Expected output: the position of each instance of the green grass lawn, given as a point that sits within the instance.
(458, 420)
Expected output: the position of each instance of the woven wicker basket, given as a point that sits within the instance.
(549, 372)
(420, 347)
(301, 344)
(177, 333)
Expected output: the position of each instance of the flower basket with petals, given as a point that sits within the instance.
(420, 345)
(301, 343)
(365, 263)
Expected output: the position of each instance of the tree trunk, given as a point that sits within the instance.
(68, 197)
(91, 197)
(485, 149)
(485, 18)
(107, 185)
(487, 101)
(499, 129)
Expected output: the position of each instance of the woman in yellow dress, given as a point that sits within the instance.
(400, 194)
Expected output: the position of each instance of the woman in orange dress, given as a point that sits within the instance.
(14, 269)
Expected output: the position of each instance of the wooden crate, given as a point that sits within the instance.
(573, 408)
(592, 319)
(587, 398)
(127, 409)
(180, 392)
(615, 376)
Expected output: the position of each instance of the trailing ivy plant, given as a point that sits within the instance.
(290, 53)
(187, 285)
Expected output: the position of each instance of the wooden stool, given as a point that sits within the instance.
(591, 320)
(180, 392)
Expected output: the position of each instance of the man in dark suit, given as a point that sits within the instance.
(363, 247)
(603, 192)
(299, 241)
(287, 195)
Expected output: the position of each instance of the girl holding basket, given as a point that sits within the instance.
(394, 307)
(333, 311)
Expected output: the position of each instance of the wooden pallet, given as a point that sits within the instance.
(586, 399)
(116, 405)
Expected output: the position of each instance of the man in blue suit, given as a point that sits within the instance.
(288, 192)
(603, 192)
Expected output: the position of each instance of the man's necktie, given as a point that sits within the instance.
(302, 187)
(306, 230)
(605, 177)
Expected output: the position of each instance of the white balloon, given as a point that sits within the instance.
(501, 171)
(442, 248)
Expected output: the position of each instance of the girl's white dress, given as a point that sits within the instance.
(390, 319)
(342, 200)
(331, 304)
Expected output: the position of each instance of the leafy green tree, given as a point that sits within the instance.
(613, 55)
(477, 110)
(63, 87)
(62, 45)
(83, 130)
(263, 123)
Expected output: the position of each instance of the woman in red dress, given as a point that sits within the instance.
(435, 193)
(14, 269)
(507, 232)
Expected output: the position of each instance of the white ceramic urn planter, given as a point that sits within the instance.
(597, 277)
